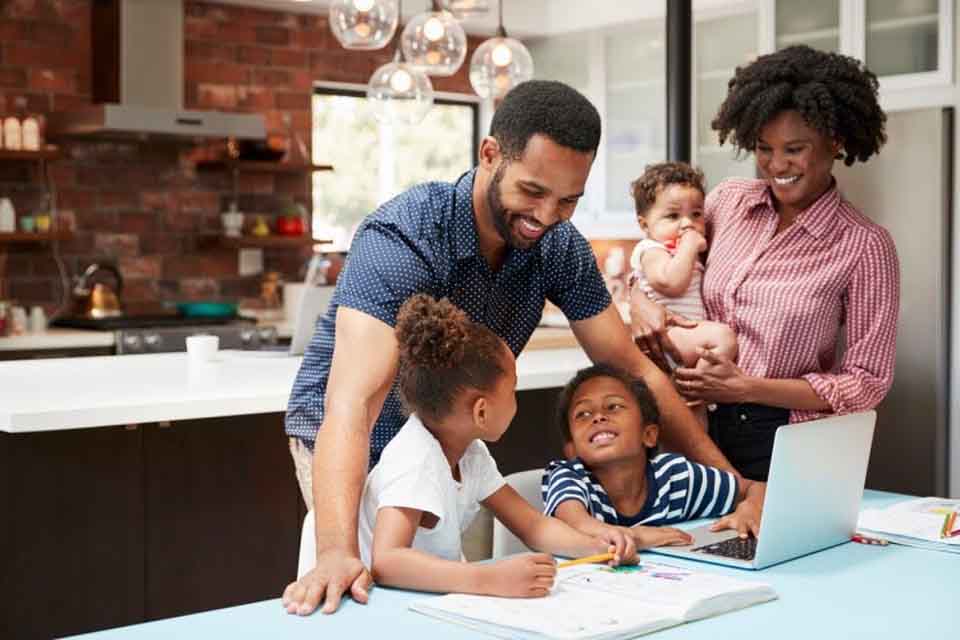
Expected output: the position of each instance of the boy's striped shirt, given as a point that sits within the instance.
(677, 490)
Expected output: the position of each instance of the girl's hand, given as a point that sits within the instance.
(716, 378)
(619, 541)
(525, 576)
(647, 537)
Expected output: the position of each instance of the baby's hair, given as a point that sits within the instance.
(657, 177)
(639, 389)
(443, 353)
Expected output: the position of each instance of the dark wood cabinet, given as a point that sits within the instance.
(73, 531)
(223, 513)
(118, 525)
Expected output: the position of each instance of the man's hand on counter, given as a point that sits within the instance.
(335, 574)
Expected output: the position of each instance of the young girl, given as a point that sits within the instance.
(666, 264)
(616, 482)
(457, 379)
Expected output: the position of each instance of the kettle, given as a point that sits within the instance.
(95, 299)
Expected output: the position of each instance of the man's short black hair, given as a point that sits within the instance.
(548, 108)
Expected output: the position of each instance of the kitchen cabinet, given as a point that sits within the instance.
(118, 525)
(908, 44)
(722, 42)
(224, 513)
(73, 535)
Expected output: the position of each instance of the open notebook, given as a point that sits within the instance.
(915, 523)
(596, 602)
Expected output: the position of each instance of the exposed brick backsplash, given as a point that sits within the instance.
(139, 204)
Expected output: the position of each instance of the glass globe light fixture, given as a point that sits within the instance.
(400, 93)
(364, 24)
(499, 64)
(434, 42)
(465, 8)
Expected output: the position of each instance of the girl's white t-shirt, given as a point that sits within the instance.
(688, 305)
(414, 473)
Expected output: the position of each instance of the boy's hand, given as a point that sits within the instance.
(647, 537)
(619, 541)
(746, 518)
(693, 239)
(529, 575)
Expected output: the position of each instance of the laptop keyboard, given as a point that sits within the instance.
(739, 548)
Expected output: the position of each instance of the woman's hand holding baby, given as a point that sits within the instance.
(716, 378)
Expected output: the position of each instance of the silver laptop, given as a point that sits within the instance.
(813, 496)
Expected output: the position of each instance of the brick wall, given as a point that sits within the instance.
(141, 204)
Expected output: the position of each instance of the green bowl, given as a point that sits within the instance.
(207, 309)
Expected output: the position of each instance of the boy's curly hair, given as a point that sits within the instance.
(834, 94)
(657, 176)
(638, 388)
(442, 352)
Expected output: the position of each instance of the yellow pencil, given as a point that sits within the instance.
(600, 557)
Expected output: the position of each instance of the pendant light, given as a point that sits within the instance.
(434, 42)
(363, 24)
(499, 64)
(399, 92)
(465, 8)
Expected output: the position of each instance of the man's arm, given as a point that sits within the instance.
(606, 339)
(364, 366)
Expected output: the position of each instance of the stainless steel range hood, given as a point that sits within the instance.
(138, 79)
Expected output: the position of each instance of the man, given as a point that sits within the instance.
(497, 243)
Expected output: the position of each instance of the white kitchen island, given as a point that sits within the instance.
(77, 393)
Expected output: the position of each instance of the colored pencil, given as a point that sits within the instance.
(600, 557)
(945, 530)
(862, 539)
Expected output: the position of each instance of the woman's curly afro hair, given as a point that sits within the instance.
(833, 93)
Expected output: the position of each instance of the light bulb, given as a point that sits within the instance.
(363, 24)
(433, 29)
(498, 65)
(501, 55)
(400, 81)
(435, 43)
(399, 93)
(362, 29)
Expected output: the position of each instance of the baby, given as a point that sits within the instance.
(616, 480)
(666, 263)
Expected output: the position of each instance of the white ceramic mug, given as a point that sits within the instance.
(202, 347)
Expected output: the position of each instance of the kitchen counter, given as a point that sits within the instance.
(542, 338)
(57, 339)
(75, 393)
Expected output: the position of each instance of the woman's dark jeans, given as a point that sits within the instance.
(744, 433)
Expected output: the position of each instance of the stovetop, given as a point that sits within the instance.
(141, 322)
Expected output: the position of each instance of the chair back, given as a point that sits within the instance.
(527, 484)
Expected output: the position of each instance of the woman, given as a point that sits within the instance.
(792, 266)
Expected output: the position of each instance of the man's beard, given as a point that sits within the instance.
(500, 215)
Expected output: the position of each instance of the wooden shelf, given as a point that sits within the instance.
(270, 242)
(22, 237)
(43, 154)
(262, 167)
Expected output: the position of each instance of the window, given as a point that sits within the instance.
(374, 162)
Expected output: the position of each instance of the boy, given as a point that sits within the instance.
(610, 426)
